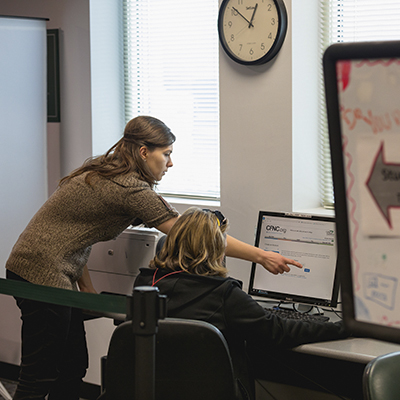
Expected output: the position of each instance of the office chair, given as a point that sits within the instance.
(381, 379)
(192, 362)
(160, 243)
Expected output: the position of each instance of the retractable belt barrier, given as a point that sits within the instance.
(101, 303)
(145, 307)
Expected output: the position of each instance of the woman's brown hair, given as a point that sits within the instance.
(124, 157)
(196, 244)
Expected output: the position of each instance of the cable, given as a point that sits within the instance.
(337, 313)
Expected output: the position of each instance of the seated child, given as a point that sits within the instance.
(190, 270)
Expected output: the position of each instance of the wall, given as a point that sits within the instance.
(73, 135)
(23, 164)
(69, 143)
(23, 104)
(256, 142)
(269, 131)
(256, 130)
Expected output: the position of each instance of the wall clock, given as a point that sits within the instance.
(252, 31)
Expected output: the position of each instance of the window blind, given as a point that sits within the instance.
(350, 21)
(326, 184)
(171, 73)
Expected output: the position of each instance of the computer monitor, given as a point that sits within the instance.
(362, 84)
(309, 239)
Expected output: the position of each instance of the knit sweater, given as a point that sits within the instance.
(55, 246)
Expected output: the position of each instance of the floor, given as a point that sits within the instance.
(10, 387)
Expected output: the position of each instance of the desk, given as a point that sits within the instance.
(316, 371)
(360, 350)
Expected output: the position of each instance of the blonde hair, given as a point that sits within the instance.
(196, 244)
(124, 157)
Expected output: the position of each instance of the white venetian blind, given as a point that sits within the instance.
(352, 21)
(171, 73)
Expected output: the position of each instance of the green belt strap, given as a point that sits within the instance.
(102, 303)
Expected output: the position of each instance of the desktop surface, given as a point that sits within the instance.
(354, 349)
(332, 368)
(359, 350)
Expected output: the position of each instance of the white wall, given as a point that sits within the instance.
(72, 17)
(23, 112)
(256, 128)
(269, 131)
(69, 143)
(23, 163)
(256, 142)
(306, 67)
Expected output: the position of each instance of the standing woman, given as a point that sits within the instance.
(94, 203)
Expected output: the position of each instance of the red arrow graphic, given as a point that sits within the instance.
(384, 184)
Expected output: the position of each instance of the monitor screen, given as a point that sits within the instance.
(308, 239)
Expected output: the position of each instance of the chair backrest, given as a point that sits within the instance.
(381, 380)
(192, 362)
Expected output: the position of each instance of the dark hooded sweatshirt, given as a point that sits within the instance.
(223, 303)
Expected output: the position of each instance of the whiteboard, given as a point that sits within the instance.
(23, 128)
(362, 82)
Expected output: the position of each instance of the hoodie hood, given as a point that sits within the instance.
(183, 290)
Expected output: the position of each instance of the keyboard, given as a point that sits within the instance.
(292, 314)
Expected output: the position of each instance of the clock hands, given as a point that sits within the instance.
(252, 17)
(249, 22)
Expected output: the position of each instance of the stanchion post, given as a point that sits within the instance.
(146, 307)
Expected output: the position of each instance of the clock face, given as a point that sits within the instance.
(252, 31)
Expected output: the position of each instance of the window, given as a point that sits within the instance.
(171, 73)
(351, 21)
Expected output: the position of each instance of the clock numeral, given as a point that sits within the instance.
(262, 46)
(234, 13)
(251, 52)
(269, 7)
(240, 2)
(272, 21)
(230, 24)
(270, 35)
(232, 38)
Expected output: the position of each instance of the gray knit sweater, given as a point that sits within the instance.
(56, 244)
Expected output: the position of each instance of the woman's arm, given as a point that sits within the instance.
(167, 225)
(85, 283)
(272, 262)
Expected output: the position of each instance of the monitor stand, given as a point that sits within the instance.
(302, 308)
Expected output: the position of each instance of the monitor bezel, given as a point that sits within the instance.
(334, 53)
(290, 297)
